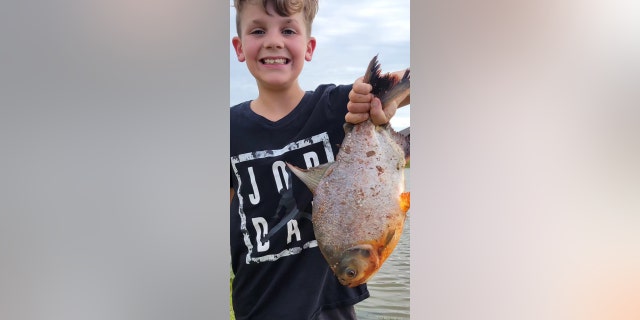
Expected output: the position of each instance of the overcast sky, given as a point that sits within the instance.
(348, 35)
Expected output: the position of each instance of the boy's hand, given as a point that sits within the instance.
(363, 105)
(359, 102)
(381, 116)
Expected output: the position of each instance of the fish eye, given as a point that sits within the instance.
(351, 273)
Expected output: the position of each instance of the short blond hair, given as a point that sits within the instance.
(284, 8)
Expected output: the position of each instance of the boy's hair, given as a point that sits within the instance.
(284, 8)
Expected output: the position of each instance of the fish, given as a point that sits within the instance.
(359, 203)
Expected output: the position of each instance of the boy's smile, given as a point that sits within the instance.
(276, 61)
(274, 47)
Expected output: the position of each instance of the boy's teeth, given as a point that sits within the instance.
(275, 61)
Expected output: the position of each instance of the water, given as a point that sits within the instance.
(389, 288)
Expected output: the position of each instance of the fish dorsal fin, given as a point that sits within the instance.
(404, 141)
(405, 201)
(311, 177)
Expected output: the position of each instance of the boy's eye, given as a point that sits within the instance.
(256, 31)
(288, 31)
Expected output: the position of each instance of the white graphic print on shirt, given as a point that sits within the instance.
(312, 151)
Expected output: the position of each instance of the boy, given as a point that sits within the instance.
(279, 271)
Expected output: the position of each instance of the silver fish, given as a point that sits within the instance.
(359, 204)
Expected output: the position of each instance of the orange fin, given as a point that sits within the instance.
(405, 201)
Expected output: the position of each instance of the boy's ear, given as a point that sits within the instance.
(311, 46)
(237, 45)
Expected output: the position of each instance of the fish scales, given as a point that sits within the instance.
(361, 180)
(359, 205)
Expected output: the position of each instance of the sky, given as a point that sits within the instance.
(348, 35)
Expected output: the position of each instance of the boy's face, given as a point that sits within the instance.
(273, 47)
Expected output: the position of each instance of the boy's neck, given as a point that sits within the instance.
(275, 105)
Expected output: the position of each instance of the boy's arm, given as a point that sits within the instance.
(362, 105)
(231, 195)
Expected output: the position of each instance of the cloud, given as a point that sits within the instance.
(387, 21)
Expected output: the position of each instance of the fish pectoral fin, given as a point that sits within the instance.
(405, 201)
(389, 237)
(311, 177)
(382, 245)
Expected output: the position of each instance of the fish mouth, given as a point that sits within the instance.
(275, 61)
(352, 281)
(350, 278)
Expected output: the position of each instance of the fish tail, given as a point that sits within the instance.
(387, 87)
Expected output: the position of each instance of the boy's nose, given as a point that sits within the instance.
(273, 41)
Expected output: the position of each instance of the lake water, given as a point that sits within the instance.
(389, 288)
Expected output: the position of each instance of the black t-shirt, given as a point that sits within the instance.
(285, 277)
